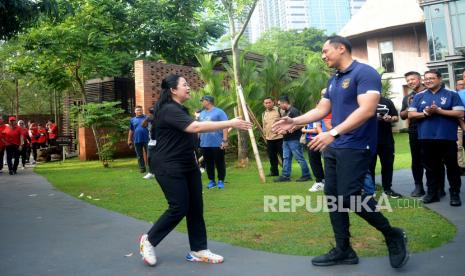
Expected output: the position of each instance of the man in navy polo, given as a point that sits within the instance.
(138, 137)
(352, 96)
(437, 111)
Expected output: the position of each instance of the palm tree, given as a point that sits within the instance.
(274, 75)
(305, 90)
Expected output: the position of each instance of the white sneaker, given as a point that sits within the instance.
(147, 251)
(149, 176)
(318, 186)
(202, 170)
(205, 256)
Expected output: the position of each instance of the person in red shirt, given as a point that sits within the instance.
(2, 145)
(13, 139)
(43, 136)
(26, 143)
(52, 130)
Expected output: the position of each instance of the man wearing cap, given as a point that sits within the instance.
(13, 139)
(213, 143)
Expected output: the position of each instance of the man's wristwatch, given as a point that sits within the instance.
(333, 132)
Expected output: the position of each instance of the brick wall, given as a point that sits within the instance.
(148, 77)
(88, 148)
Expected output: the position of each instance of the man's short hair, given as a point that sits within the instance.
(412, 73)
(433, 71)
(268, 98)
(138, 106)
(337, 39)
(284, 98)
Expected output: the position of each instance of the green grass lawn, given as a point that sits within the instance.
(236, 215)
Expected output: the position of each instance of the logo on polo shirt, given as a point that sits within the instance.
(443, 100)
(346, 83)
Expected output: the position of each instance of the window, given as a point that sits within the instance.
(457, 11)
(386, 51)
(436, 31)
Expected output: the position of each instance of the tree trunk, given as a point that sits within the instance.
(17, 98)
(97, 143)
(242, 107)
(242, 142)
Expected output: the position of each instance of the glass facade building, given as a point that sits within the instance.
(329, 15)
(445, 28)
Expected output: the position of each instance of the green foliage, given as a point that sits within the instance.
(215, 85)
(292, 46)
(108, 123)
(100, 38)
(274, 75)
(386, 84)
(305, 90)
(16, 15)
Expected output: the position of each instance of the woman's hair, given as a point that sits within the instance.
(170, 81)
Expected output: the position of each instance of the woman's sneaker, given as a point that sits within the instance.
(205, 256)
(318, 186)
(147, 251)
(149, 176)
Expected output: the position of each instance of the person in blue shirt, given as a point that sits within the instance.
(352, 96)
(138, 137)
(213, 144)
(460, 88)
(437, 111)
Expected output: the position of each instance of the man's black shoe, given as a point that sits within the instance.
(303, 179)
(11, 172)
(442, 193)
(397, 246)
(430, 198)
(455, 199)
(282, 179)
(392, 194)
(336, 256)
(272, 174)
(418, 192)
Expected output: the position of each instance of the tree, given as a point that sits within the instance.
(240, 11)
(89, 44)
(292, 46)
(108, 124)
(17, 15)
(305, 90)
(173, 29)
(274, 75)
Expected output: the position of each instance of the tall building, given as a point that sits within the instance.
(355, 6)
(329, 15)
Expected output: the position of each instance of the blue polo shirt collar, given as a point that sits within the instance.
(348, 69)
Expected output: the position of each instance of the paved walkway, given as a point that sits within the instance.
(46, 232)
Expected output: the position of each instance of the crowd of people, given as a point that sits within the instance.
(19, 141)
(350, 127)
